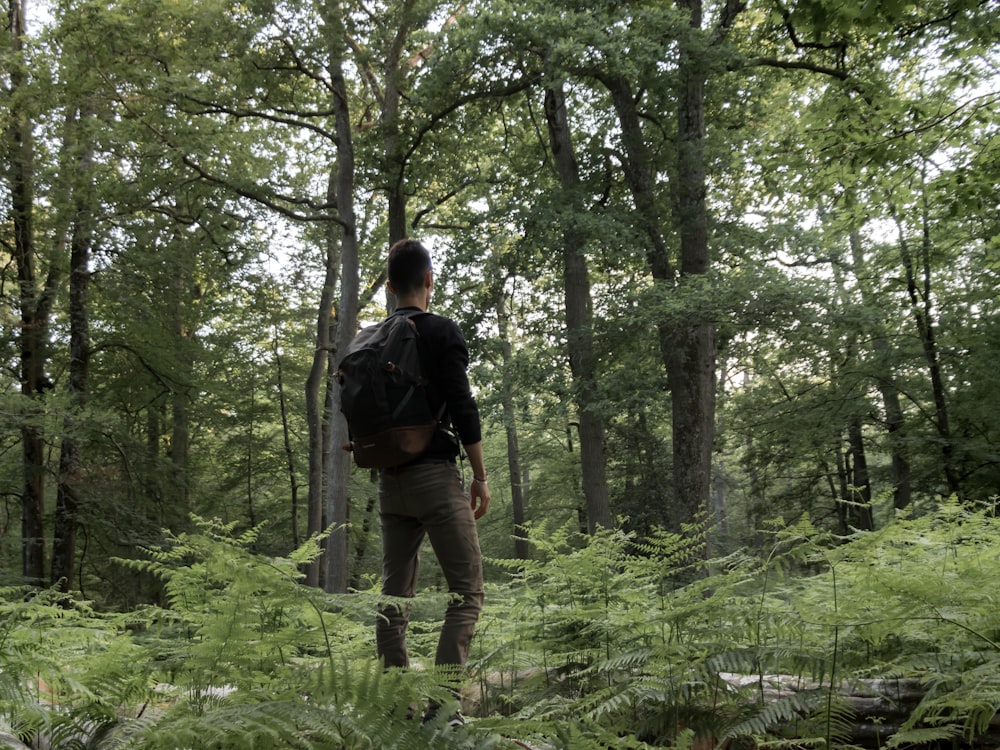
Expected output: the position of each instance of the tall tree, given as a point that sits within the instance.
(515, 470)
(895, 421)
(920, 296)
(687, 346)
(579, 314)
(386, 76)
(72, 448)
(344, 234)
(854, 509)
(35, 296)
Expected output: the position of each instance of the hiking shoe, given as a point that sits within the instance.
(455, 721)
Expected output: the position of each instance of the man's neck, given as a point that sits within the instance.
(417, 301)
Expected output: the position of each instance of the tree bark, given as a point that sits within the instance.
(687, 348)
(395, 161)
(314, 403)
(251, 421)
(856, 493)
(517, 494)
(860, 489)
(922, 309)
(894, 420)
(361, 540)
(179, 506)
(33, 302)
(720, 481)
(344, 233)
(293, 481)
(71, 450)
(579, 319)
(692, 360)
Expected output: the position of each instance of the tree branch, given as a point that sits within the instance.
(918, 28)
(731, 10)
(500, 92)
(773, 62)
(275, 203)
(440, 201)
(280, 116)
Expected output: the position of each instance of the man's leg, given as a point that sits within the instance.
(451, 527)
(401, 539)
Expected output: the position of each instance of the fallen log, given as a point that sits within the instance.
(880, 706)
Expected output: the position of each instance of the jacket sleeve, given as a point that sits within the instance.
(453, 382)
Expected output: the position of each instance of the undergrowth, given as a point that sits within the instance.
(602, 642)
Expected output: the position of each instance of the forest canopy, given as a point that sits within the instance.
(734, 261)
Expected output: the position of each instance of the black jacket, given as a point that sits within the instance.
(444, 358)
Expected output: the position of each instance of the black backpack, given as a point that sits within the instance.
(383, 394)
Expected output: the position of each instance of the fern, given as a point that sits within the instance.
(256, 660)
(66, 672)
(767, 718)
(923, 736)
(628, 638)
(602, 641)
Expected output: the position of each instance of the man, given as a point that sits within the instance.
(426, 496)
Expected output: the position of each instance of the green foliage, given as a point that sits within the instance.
(597, 638)
(243, 656)
(653, 640)
(65, 669)
(211, 137)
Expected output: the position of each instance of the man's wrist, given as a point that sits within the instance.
(481, 480)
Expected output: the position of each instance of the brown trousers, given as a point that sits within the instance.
(428, 500)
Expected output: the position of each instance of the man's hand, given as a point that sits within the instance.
(479, 495)
(479, 492)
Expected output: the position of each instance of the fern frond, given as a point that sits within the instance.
(628, 661)
(766, 718)
(923, 736)
(761, 743)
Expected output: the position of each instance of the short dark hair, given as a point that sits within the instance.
(408, 262)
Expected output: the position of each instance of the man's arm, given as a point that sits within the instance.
(479, 491)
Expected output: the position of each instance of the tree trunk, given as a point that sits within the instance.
(287, 440)
(895, 424)
(687, 349)
(856, 491)
(179, 507)
(314, 405)
(251, 422)
(886, 379)
(517, 495)
(579, 319)
(71, 450)
(339, 461)
(361, 545)
(860, 490)
(33, 305)
(148, 481)
(180, 447)
(922, 308)
(691, 368)
(395, 161)
(720, 481)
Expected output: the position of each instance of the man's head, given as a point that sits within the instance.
(408, 268)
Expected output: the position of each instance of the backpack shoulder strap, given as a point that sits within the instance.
(413, 313)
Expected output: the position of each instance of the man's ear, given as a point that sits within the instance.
(428, 279)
